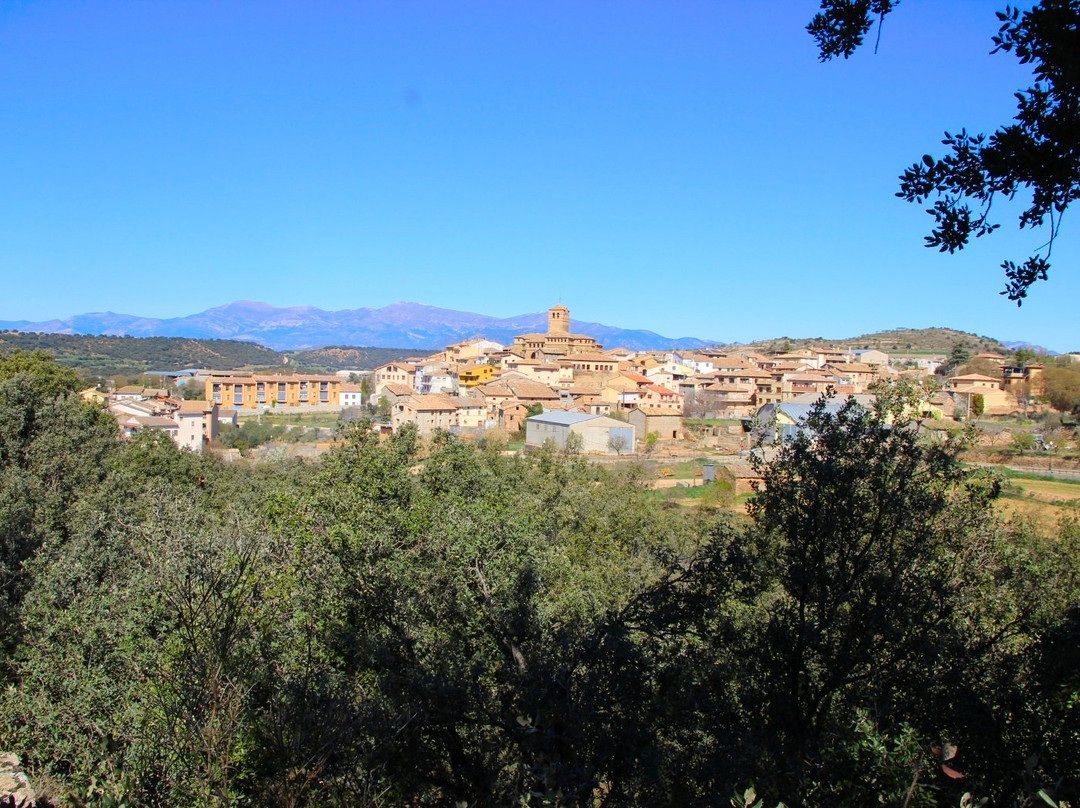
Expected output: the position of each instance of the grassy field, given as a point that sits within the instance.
(682, 469)
(1044, 500)
(698, 495)
(323, 419)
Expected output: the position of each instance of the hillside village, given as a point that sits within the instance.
(557, 384)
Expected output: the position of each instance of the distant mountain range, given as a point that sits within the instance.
(399, 325)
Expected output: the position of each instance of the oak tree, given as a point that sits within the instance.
(1037, 154)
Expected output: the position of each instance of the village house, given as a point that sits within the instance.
(511, 415)
(433, 375)
(688, 388)
(623, 391)
(190, 424)
(661, 399)
(668, 373)
(873, 357)
(817, 382)
(393, 373)
(505, 390)
(594, 405)
(351, 395)
(698, 362)
(141, 408)
(474, 375)
(621, 354)
(996, 401)
(727, 400)
(666, 424)
(976, 380)
(471, 351)
(857, 374)
(261, 391)
(595, 365)
(581, 393)
(130, 424)
(1026, 381)
(802, 356)
(428, 412)
(544, 372)
(471, 413)
(133, 392)
(393, 393)
(94, 395)
(729, 364)
(494, 396)
(529, 391)
(831, 356)
(196, 424)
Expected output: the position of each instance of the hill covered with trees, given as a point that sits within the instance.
(897, 340)
(109, 356)
(344, 357)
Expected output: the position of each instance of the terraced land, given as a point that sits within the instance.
(1045, 501)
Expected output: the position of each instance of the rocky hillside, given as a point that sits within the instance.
(897, 340)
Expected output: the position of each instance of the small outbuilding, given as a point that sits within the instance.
(666, 424)
(598, 433)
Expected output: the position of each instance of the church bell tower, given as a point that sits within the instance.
(559, 319)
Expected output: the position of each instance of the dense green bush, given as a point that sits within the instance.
(392, 627)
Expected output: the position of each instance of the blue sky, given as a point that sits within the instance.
(685, 167)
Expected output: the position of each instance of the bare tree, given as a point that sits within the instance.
(617, 442)
(696, 405)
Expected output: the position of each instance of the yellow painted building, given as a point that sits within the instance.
(255, 391)
(474, 375)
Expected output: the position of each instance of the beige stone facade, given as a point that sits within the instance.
(557, 341)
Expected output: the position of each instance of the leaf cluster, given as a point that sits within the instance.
(1036, 153)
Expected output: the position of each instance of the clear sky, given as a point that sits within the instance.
(685, 167)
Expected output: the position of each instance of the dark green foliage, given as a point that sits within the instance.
(441, 624)
(875, 610)
(840, 26)
(192, 392)
(872, 533)
(251, 433)
(131, 356)
(476, 588)
(1036, 153)
(50, 379)
(959, 355)
(52, 446)
(978, 404)
(1063, 386)
(342, 357)
(147, 625)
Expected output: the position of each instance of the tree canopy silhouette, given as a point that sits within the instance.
(1037, 153)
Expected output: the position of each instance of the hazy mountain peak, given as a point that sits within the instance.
(402, 324)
